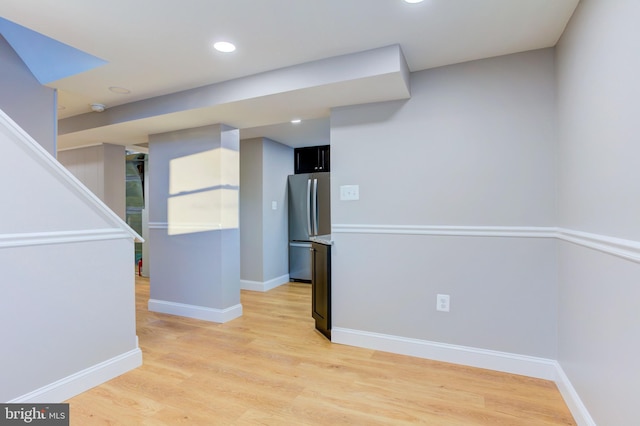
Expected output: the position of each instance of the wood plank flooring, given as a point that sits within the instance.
(271, 367)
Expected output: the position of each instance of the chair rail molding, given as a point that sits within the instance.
(626, 249)
(61, 237)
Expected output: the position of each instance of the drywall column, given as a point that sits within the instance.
(194, 237)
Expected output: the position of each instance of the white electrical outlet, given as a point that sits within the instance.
(442, 302)
(350, 192)
(274, 205)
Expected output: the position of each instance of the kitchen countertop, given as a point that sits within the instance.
(323, 239)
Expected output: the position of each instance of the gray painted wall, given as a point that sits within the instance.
(251, 204)
(599, 182)
(25, 100)
(474, 146)
(100, 168)
(278, 164)
(597, 98)
(26, 214)
(73, 311)
(264, 167)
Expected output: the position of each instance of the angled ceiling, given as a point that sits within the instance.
(160, 47)
(47, 59)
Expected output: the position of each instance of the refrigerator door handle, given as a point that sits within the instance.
(309, 230)
(314, 208)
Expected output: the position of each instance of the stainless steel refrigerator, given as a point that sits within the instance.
(309, 216)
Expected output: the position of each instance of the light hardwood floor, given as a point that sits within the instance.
(270, 367)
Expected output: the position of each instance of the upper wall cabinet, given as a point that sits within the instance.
(312, 159)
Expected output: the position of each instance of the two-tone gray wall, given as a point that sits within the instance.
(457, 192)
(63, 265)
(264, 167)
(68, 300)
(30, 104)
(599, 184)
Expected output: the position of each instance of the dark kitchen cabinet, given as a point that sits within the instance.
(312, 159)
(321, 287)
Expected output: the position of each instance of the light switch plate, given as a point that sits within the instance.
(350, 192)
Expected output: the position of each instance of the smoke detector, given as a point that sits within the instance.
(98, 107)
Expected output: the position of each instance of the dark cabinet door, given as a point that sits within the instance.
(321, 287)
(324, 163)
(312, 159)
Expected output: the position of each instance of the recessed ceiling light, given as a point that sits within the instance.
(413, 1)
(224, 46)
(119, 90)
(296, 121)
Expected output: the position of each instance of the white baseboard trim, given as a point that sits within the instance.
(264, 286)
(541, 368)
(572, 399)
(197, 312)
(84, 380)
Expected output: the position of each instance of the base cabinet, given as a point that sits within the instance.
(321, 287)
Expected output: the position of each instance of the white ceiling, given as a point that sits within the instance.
(157, 47)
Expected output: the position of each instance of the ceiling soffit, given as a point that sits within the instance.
(371, 76)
